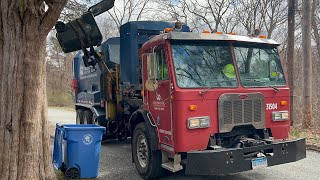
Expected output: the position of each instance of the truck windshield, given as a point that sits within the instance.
(203, 65)
(259, 66)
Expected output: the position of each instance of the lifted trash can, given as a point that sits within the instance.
(77, 149)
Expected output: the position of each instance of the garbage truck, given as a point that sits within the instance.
(206, 103)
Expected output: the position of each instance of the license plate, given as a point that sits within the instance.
(259, 162)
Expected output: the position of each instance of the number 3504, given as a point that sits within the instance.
(272, 106)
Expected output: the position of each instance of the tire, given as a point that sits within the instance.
(148, 163)
(79, 118)
(87, 117)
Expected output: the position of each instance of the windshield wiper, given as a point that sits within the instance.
(274, 88)
(212, 82)
(257, 80)
(254, 80)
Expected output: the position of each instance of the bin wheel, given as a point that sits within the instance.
(147, 162)
(87, 117)
(63, 167)
(79, 118)
(72, 173)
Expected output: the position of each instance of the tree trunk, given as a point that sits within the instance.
(307, 63)
(290, 53)
(24, 139)
(315, 3)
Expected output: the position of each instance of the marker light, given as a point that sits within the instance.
(199, 122)
(283, 103)
(193, 107)
(262, 36)
(167, 30)
(233, 33)
(206, 32)
(219, 32)
(280, 115)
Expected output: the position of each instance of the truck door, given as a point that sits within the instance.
(159, 100)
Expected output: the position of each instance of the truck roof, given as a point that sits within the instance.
(218, 37)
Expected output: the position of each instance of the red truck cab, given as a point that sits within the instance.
(219, 103)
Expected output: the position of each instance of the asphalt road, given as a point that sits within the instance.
(115, 162)
(61, 116)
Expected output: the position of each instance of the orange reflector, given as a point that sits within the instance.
(233, 33)
(219, 32)
(166, 30)
(262, 36)
(206, 31)
(192, 107)
(283, 103)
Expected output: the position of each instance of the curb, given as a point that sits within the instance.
(313, 147)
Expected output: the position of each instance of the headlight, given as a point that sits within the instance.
(280, 115)
(199, 122)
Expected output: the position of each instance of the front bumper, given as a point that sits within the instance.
(226, 161)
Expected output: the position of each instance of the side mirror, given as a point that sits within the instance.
(152, 68)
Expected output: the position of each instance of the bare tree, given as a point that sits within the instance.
(315, 24)
(24, 147)
(59, 74)
(210, 12)
(72, 10)
(128, 10)
(176, 11)
(307, 65)
(200, 15)
(275, 15)
(250, 14)
(316, 59)
(290, 52)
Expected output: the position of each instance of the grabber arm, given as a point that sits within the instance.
(94, 57)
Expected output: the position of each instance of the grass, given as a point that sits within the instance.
(64, 108)
(312, 135)
(60, 175)
(60, 99)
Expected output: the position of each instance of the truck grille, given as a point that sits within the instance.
(234, 111)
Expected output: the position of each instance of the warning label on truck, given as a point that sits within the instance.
(87, 72)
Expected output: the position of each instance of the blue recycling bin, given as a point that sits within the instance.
(77, 149)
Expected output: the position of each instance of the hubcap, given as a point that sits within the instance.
(142, 151)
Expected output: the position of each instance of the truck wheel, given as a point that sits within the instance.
(79, 118)
(122, 133)
(87, 117)
(148, 163)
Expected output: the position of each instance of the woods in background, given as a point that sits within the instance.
(240, 16)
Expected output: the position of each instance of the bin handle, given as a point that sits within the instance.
(57, 149)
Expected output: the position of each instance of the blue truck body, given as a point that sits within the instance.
(88, 78)
(132, 36)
